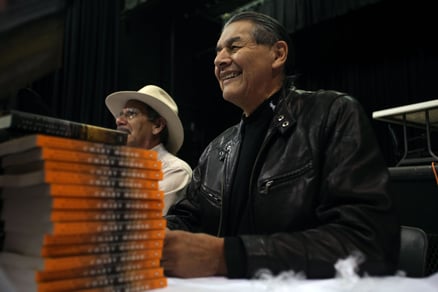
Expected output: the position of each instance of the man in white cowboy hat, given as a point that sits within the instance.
(150, 117)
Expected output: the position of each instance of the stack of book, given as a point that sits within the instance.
(15, 123)
(80, 215)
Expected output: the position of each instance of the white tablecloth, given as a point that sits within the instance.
(287, 283)
(354, 284)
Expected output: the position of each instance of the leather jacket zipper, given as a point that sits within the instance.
(221, 211)
(264, 189)
(225, 157)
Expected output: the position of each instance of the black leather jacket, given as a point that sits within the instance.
(318, 190)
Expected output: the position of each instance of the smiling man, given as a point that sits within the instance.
(297, 185)
(150, 117)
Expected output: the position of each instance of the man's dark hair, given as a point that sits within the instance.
(267, 31)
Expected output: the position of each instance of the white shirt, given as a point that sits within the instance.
(176, 176)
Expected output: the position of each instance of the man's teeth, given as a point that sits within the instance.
(231, 75)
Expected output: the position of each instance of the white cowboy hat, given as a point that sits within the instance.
(161, 102)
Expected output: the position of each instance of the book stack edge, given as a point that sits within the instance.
(80, 215)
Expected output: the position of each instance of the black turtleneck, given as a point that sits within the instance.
(240, 207)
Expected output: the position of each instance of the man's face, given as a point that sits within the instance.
(134, 121)
(242, 67)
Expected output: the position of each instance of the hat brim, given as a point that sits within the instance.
(117, 101)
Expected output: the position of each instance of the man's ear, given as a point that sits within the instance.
(158, 126)
(280, 50)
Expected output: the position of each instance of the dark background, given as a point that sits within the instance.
(63, 57)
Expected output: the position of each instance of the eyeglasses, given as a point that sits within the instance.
(128, 113)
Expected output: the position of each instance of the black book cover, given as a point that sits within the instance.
(15, 123)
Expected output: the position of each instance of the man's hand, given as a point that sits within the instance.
(189, 255)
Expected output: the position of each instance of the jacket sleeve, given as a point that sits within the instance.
(352, 206)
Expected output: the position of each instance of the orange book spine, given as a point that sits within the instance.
(92, 147)
(103, 237)
(106, 226)
(74, 262)
(92, 158)
(91, 248)
(77, 190)
(111, 215)
(104, 192)
(138, 173)
(43, 276)
(62, 203)
(134, 286)
(95, 180)
(99, 281)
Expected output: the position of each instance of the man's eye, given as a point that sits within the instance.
(233, 48)
(129, 113)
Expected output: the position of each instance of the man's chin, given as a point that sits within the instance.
(231, 98)
(228, 95)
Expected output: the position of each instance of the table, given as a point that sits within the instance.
(414, 115)
(423, 115)
(289, 283)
